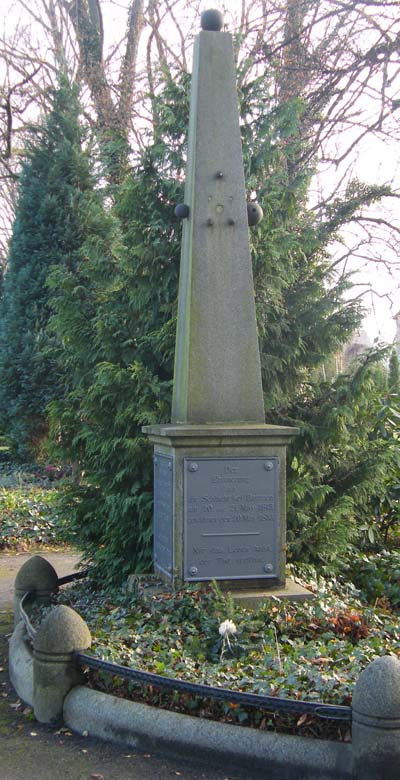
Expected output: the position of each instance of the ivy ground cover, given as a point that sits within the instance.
(30, 514)
(313, 650)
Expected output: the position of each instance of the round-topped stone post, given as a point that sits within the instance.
(59, 636)
(40, 578)
(376, 721)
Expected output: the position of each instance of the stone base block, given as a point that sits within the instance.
(250, 599)
(292, 591)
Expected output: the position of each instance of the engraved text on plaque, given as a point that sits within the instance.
(230, 518)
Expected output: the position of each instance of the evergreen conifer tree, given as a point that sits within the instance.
(114, 314)
(394, 373)
(117, 310)
(344, 465)
(49, 228)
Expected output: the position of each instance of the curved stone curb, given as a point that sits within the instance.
(49, 679)
(148, 728)
(20, 665)
(140, 726)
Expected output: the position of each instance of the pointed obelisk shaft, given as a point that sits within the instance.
(217, 362)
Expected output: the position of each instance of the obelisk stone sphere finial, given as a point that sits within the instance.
(212, 20)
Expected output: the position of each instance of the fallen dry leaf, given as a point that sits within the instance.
(302, 719)
(320, 660)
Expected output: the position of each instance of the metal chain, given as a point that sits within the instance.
(273, 703)
(79, 575)
(31, 631)
(24, 617)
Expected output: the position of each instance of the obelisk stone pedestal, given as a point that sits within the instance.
(220, 503)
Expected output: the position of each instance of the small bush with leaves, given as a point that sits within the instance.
(30, 517)
(377, 575)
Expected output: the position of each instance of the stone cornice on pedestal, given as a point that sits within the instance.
(216, 434)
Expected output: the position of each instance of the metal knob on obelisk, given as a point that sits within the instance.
(181, 211)
(254, 213)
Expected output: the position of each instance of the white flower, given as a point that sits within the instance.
(227, 628)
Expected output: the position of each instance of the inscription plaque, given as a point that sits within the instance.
(163, 513)
(230, 518)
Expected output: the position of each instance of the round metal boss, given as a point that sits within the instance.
(254, 213)
(182, 211)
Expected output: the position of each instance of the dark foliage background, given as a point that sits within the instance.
(88, 323)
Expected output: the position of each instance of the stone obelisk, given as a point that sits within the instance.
(219, 471)
(217, 359)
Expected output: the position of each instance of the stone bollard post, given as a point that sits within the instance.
(62, 633)
(39, 576)
(376, 721)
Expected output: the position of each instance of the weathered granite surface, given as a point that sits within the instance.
(217, 361)
(229, 521)
(376, 721)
